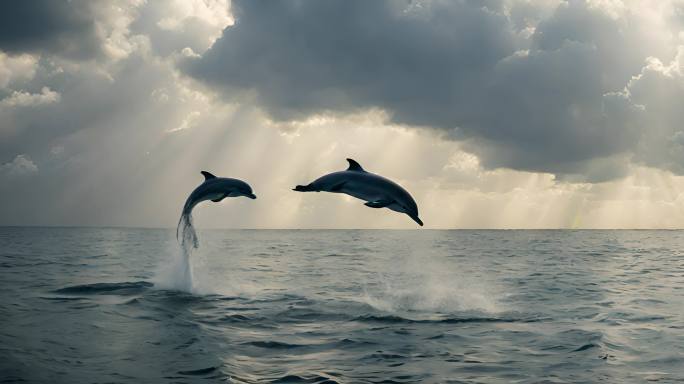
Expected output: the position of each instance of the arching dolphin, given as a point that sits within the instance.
(377, 191)
(215, 189)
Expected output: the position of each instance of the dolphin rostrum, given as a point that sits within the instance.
(215, 189)
(377, 191)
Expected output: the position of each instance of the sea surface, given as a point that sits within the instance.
(103, 305)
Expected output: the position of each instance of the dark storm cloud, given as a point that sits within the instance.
(55, 26)
(536, 103)
(305, 57)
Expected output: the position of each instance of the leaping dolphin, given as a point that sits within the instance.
(215, 189)
(377, 191)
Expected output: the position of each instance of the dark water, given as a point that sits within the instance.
(89, 306)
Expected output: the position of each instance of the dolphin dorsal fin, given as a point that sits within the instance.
(354, 166)
(207, 175)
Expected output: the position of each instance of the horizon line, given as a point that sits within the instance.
(341, 228)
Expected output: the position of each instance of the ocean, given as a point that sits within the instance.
(115, 305)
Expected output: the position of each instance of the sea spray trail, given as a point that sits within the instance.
(185, 231)
(188, 242)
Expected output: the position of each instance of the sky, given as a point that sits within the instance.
(491, 113)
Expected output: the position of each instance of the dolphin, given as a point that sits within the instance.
(377, 191)
(215, 189)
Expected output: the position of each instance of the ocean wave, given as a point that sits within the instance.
(294, 379)
(394, 319)
(198, 372)
(107, 288)
(273, 345)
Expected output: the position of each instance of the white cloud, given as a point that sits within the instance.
(213, 12)
(187, 25)
(188, 122)
(19, 67)
(21, 165)
(112, 24)
(25, 99)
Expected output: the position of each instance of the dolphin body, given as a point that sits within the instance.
(377, 191)
(215, 189)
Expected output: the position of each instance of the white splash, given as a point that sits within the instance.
(178, 274)
(188, 269)
(427, 283)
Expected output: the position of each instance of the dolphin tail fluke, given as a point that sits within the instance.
(303, 188)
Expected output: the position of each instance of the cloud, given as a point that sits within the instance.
(172, 26)
(655, 97)
(72, 29)
(55, 26)
(21, 165)
(308, 57)
(525, 85)
(14, 68)
(25, 99)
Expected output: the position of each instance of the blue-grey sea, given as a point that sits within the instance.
(104, 305)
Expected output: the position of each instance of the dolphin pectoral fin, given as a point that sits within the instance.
(379, 203)
(219, 199)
